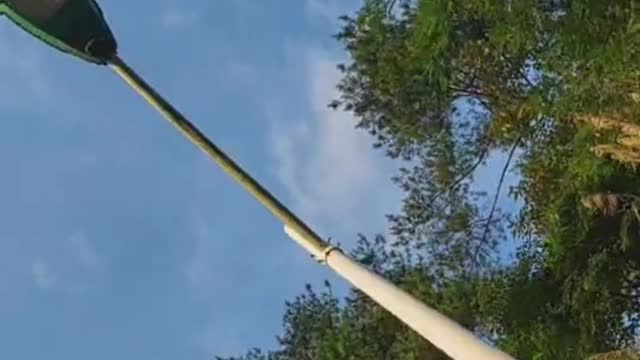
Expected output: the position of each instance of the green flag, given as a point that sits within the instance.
(76, 27)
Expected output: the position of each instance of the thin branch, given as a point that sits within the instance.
(469, 91)
(460, 179)
(496, 197)
(390, 6)
(441, 232)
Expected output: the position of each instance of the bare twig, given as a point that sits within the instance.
(494, 205)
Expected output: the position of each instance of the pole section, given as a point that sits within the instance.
(447, 335)
(312, 242)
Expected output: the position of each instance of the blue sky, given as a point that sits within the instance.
(118, 239)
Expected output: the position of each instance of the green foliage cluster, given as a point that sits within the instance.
(442, 85)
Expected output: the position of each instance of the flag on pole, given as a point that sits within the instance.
(77, 27)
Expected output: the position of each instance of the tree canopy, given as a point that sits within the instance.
(444, 85)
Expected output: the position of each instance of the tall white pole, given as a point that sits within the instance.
(442, 332)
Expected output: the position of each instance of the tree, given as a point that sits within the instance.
(529, 73)
(317, 327)
(444, 84)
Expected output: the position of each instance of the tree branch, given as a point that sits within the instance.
(494, 205)
(460, 179)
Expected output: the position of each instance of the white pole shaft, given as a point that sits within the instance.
(442, 332)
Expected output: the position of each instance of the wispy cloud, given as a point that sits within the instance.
(220, 341)
(83, 251)
(43, 276)
(179, 18)
(328, 10)
(61, 272)
(22, 66)
(328, 167)
(198, 270)
(238, 75)
(330, 174)
(25, 82)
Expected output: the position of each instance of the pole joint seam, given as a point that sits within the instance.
(324, 259)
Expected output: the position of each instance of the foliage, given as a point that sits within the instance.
(317, 327)
(443, 85)
(618, 355)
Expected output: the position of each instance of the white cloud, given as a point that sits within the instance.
(198, 271)
(83, 251)
(179, 18)
(332, 178)
(328, 10)
(22, 69)
(238, 76)
(43, 276)
(335, 177)
(220, 341)
(60, 270)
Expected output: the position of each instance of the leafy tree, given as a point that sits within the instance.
(444, 84)
(532, 75)
(316, 326)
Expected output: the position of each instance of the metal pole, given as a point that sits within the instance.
(447, 335)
